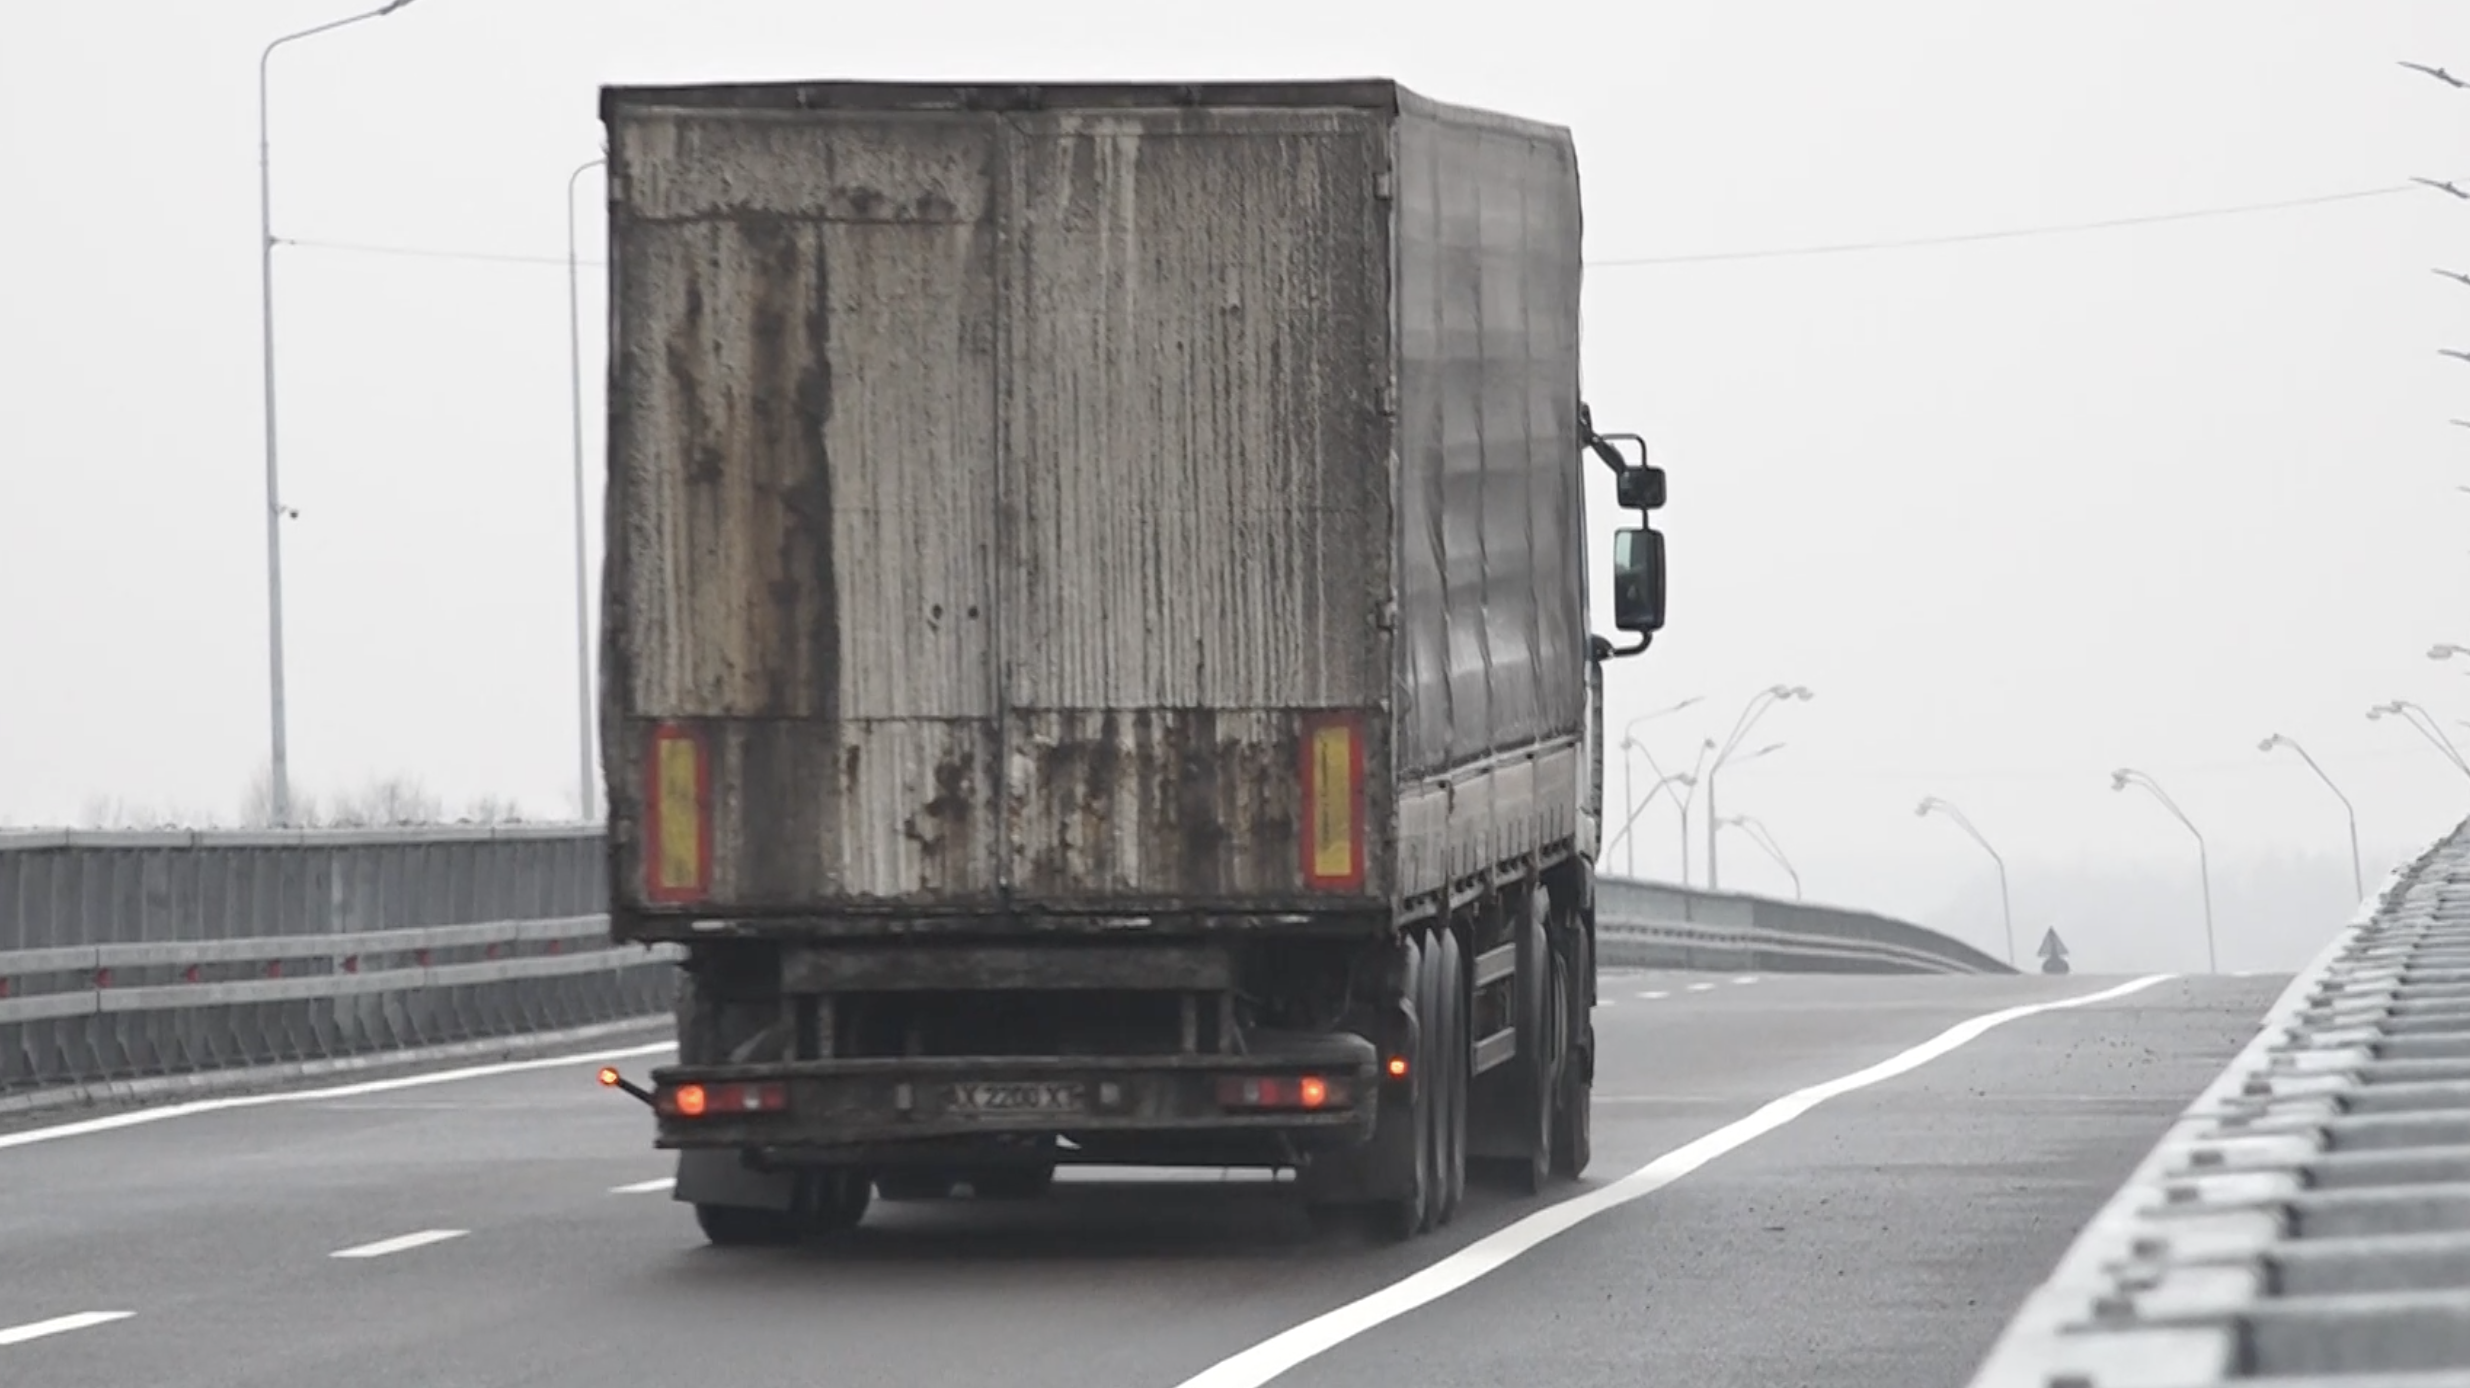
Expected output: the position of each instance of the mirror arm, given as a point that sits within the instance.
(1606, 450)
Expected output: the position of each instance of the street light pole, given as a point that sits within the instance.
(279, 790)
(2123, 778)
(1697, 777)
(2426, 725)
(1629, 825)
(2358, 876)
(1629, 773)
(2006, 910)
(1758, 705)
(1765, 839)
(585, 782)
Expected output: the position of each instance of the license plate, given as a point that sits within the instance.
(1036, 1096)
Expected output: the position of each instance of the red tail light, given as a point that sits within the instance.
(1275, 1092)
(722, 1100)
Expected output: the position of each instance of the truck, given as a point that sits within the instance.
(1096, 659)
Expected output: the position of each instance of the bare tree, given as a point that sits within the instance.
(494, 809)
(389, 802)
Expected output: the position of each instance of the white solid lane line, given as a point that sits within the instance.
(644, 1187)
(137, 1117)
(1265, 1361)
(59, 1325)
(399, 1243)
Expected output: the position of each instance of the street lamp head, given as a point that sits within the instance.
(2119, 778)
(2445, 650)
(2269, 743)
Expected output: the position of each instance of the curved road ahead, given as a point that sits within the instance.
(510, 1229)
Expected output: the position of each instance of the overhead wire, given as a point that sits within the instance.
(1617, 262)
(2008, 233)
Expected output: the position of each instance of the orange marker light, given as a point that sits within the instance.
(1397, 1067)
(691, 1100)
(1314, 1091)
(609, 1076)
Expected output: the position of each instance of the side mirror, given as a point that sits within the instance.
(1638, 580)
(1640, 488)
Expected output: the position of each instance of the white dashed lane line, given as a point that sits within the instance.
(59, 1325)
(645, 1187)
(1657, 994)
(399, 1244)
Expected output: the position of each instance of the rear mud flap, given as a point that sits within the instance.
(1367, 1171)
(717, 1176)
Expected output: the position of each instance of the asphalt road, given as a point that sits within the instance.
(510, 1229)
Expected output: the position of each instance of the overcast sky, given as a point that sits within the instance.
(2020, 510)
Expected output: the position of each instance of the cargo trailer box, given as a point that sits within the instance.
(1068, 506)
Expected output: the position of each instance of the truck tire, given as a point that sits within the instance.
(1539, 1044)
(1455, 1063)
(915, 1183)
(741, 1226)
(834, 1202)
(1014, 1182)
(1574, 1108)
(1405, 1127)
(825, 1203)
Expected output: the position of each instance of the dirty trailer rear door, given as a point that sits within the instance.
(996, 501)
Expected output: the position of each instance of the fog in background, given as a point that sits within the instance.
(2020, 509)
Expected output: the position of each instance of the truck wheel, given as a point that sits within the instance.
(1014, 1182)
(1574, 1113)
(1455, 1063)
(1539, 1035)
(915, 1183)
(739, 1226)
(835, 1201)
(1405, 1125)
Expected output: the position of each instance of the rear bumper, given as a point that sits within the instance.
(873, 1107)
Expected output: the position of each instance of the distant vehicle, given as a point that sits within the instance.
(1095, 649)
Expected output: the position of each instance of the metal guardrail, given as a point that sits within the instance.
(132, 964)
(1652, 925)
(187, 959)
(2306, 1222)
